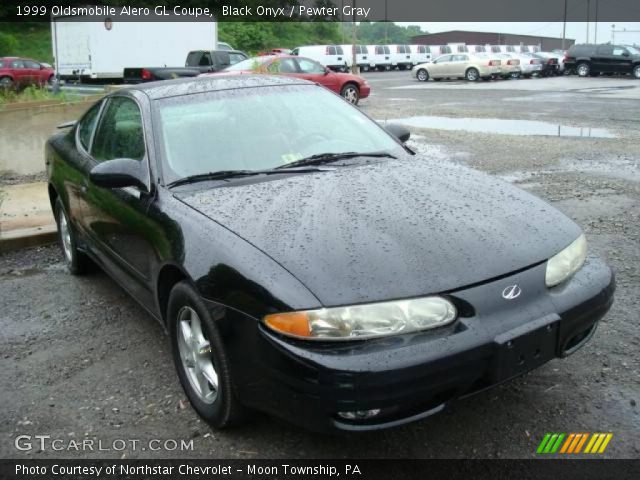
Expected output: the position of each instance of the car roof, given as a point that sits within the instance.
(191, 85)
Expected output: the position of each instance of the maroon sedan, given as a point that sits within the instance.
(351, 87)
(21, 72)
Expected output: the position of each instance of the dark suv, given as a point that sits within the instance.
(592, 60)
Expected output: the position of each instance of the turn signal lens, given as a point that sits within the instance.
(364, 321)
(293, 323)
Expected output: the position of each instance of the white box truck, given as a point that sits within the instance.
(102, 50)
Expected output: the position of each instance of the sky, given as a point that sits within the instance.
(575, 30)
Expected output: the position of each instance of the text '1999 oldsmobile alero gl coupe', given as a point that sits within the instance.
(306, 263)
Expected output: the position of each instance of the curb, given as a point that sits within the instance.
(28, 237)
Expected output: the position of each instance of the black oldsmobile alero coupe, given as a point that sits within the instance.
(306, 263)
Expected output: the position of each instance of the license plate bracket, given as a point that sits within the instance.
(525, 347)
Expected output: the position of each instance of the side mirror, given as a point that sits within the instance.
(327, 70)
(401, 133)
(120, 172)
(625, 54)
(41, 67)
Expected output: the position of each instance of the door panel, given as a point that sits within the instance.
(115, 219)
(441, 67)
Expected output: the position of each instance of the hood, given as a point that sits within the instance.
(389, 229)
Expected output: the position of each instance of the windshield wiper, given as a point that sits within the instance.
(224, 174)
(321, 158)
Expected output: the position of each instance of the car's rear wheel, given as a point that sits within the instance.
(472, 75)
(422, 75)
(350, 93)
(201, 359)
(6, 83)
(636, 72)
(583, 69)
(76, 261)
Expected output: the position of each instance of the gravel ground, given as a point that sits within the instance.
(82, 361)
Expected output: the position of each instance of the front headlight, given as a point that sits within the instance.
(364, 321)
(567, 262)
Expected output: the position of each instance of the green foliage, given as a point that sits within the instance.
(386, 32)
(31, 40)
(256, 36)
(8, 44)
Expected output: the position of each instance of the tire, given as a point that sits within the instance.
(365, 68)
(516, 75)
(636, 72)
(472, 75)
(6, 83)
(583, 69)
(350, 93)
(51, 81)
(422, 75)
(195, 340)
(76, 261)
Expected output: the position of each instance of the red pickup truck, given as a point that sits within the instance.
(21, 72)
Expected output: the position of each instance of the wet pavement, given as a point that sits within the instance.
(499, 126)
(82, 360)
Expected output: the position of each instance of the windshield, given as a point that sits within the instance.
(261, 128)
(632, 50)
(249, 64)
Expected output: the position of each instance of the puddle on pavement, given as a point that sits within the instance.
(619, 168)
(503, 127)
(24, 133)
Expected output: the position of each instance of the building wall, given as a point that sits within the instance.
(491, 38)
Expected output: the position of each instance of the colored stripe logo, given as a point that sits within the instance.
(574, 443)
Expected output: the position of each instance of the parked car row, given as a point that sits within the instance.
(485, 66)
(389, 57)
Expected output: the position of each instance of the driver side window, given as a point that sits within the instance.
(119, 134)
(309, 66)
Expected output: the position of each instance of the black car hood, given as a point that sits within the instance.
(390, 229)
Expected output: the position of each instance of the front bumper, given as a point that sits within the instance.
(408, 377)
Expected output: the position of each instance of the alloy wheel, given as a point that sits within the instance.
(583, 69)
(65, 236)
(350, 94)
(472, 75)
(636, 72)
(195, 354)
(422, 75)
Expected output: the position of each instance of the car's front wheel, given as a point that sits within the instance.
(76, 261)
(472, 75)
(636, 72)
(422, 75)
(350, 93)
(583, 69)
(200, 358)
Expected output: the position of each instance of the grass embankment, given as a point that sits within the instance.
(33, 94)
